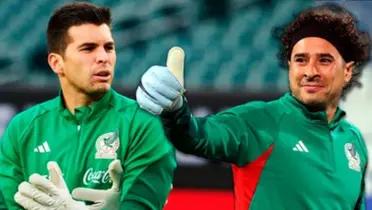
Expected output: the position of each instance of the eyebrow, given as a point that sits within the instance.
(327, 55)
(300, 55)
(87, 44)
(319, 54)
(92, 44)
(109, 44)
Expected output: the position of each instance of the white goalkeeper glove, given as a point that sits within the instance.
(41, 193)
(103, 199)
(161, 87)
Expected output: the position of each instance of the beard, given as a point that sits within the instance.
(96, 93)
(314, 106)
(312, 103)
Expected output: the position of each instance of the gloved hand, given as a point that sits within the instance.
(161, 87)
(103, 199)
(41, 194)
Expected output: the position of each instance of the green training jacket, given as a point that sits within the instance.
(84, 144)
(284, 156)
(2, 203)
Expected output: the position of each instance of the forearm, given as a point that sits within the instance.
(179, 129)
(150, 189)
(214, 137)
(2, 202)
(133, 204)
(10, 178)
(9, 189)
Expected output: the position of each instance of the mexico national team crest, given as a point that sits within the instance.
(353, 157)
(106, 145)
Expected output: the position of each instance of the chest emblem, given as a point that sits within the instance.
(352, 156)
(106, 145)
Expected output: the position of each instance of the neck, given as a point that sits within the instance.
(330, 108)
(331, 111)
(74, 98)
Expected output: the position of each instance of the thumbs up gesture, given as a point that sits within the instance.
(161, 87)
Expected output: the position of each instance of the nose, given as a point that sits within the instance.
(102, 56)
(311, 70)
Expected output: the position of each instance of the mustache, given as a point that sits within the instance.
(311, 80)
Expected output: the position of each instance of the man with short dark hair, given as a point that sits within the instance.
(296, 152)
(89, 140)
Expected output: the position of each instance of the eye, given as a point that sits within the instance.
(325, 60)
(109, 48)
(300, 60)
(87, 49)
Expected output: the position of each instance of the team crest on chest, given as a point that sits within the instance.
(106, 145)
(352, 156)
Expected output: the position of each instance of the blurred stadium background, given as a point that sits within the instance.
(230, 59)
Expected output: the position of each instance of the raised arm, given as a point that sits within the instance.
(224, 136)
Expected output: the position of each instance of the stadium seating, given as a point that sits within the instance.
(228, 49)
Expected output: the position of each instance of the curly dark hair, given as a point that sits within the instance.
(342, 25)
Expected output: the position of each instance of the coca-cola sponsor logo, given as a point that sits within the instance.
(96, 177)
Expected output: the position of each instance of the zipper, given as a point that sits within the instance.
(332, 139)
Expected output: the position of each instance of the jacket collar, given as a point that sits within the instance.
(87, 112)
(290, 100)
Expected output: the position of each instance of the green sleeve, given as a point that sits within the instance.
(2, 203)
(361, 203)
(237, 135)
(148, 166)
(10, 166)
(150, 189)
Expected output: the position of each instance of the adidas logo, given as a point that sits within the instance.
(43, 148)
(300, 147)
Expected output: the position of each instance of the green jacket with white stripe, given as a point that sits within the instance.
(284, 156)
(84, 144)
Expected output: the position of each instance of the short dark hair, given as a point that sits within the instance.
(342, 26)
(69, 15)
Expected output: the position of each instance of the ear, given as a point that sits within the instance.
(348, 71)
(56, 62)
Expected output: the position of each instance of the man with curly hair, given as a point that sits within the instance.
(296, 152)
